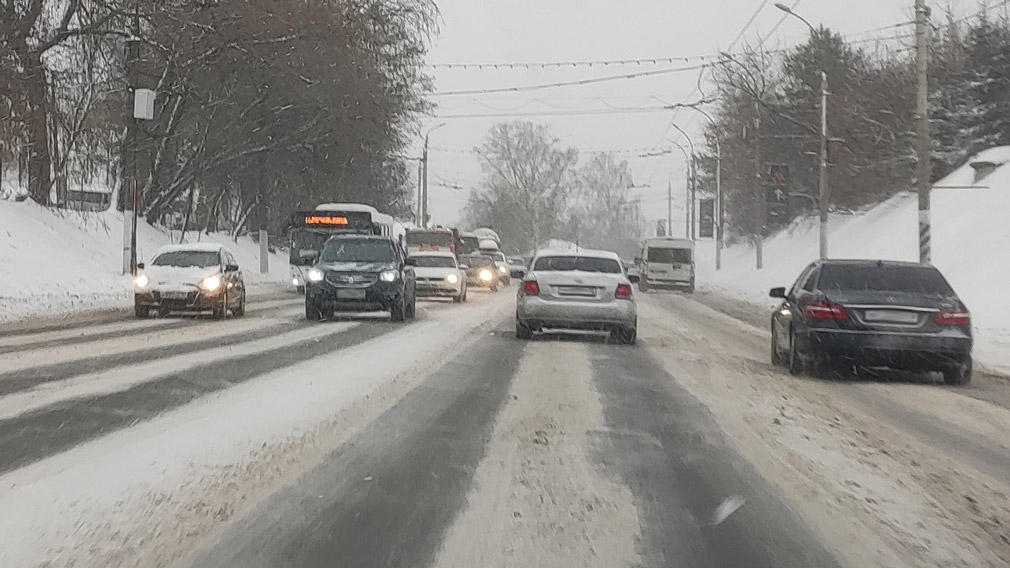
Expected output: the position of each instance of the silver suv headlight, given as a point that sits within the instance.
(389, 275)
(315, 275)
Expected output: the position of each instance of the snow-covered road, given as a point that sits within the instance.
(270, 441)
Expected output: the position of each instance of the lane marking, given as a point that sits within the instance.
(23, 360)
(123, 378)
(81, 332)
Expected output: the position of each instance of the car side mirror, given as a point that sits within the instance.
(140, 265)
(777, 293)
(231, 268)
(638, 260)
(410, 262)
(634, 278)
(464, 267)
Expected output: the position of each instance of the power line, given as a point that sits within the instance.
(589, 81)
(623, 110)
(529, 65)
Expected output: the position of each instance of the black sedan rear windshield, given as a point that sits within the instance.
(912, 279)
(669, 255)
(583, 263)
(358, 250)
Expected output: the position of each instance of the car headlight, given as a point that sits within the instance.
(142, 281)
(502, 269)
(452, 279)
(486, 275)
(211, 283)
(315, 275)
(388, 275)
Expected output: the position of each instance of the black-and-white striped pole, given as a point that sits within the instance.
(923, 171)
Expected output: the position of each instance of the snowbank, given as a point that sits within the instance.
(970, 231)
(54, 261)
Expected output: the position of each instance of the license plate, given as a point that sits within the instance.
(350, 294)
(580, 291)
(891, 316)
(175, 295)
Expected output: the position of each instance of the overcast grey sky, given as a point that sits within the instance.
(503, 31)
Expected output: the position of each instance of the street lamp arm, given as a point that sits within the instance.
(790, 11)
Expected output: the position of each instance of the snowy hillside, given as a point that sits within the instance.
(53, 261)
(971, 239)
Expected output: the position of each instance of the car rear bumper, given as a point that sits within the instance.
(444, 290)
(554, 314)
(378, 296)
(194, 300)
(898, 350)
(659, 282)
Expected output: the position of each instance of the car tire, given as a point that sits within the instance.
(398, 311)
(797, 366)
(300, 289)
(221, 312)
(142, 312)
(523, 331)
(626, 335)
(413, 307)
(960, 375)
(465, 290)
(312, 311)
(458, 298)
(776, 357)
(494, 288)
(643, 284)
(239, 310)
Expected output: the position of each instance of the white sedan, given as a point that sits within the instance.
(584, 290)
(438, 274)
(192, 278)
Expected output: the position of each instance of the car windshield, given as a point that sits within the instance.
(434, 261)
(669, 255)
(580, 263)
(479, 261)
(358, 250)
(437, 238)
(184, 258)
(910, 279)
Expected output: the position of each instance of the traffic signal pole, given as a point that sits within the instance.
(824, 191)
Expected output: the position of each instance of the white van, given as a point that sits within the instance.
(668, 262)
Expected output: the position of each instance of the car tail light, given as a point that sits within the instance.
(958, 316)
(531, 288)
(623, 291)
(826, 310)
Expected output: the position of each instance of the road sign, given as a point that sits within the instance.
(706, 228)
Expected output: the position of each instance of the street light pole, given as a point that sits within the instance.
(692, 186)
(824, 192)
(424, 167)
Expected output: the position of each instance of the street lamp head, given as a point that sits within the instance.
(783, 7)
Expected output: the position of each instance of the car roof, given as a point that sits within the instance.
(441, 253)
(871, 263)
(360, 236)
(590, 253)
(192, 247)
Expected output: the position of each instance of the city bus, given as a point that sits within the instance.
(310, 229)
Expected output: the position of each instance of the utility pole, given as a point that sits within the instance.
(687, 203)
(693, 196)
(924, 170)
(824, 192)
(424, 186)
(759, 194)
(420, 190)
(669, 208)
(129, 183)
(424, 167)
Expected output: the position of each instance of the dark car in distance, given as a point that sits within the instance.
(360, 273)
(872, 313)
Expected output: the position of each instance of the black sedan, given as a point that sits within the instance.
(872, 314)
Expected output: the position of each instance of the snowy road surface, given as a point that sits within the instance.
(272, 442)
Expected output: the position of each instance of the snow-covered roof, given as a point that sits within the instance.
(195, 247)
(584, 252)
(349, 207)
